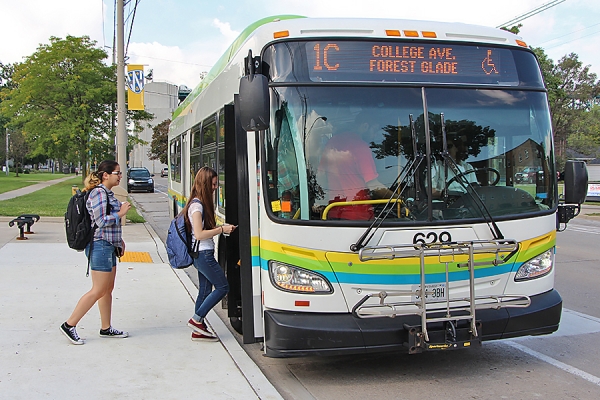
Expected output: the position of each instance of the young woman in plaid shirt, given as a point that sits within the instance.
(107, 245)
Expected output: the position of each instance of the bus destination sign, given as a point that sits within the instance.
(368, 61)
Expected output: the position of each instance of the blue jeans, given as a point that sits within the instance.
(103, 256)
(210, 274)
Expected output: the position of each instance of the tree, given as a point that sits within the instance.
(572, 90)
(159, 145)
(18, 149)
(61, 98)
(6, 71)
(586, 136)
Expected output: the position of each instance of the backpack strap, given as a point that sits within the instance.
(194, 244)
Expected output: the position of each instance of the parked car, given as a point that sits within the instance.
(139, 178)
(164, 172)
(528, 175)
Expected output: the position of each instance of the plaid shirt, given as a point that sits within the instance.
(109, 225)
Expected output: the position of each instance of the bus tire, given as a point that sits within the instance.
(236, 324)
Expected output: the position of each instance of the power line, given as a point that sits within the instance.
(571, 33)
(166, 59)
(572, 40)
(131, 25)
(531, 13)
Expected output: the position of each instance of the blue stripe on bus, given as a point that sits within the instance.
(402, 279)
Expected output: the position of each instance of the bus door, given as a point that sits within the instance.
(244, 303)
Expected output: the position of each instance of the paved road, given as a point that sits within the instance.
(562, 365)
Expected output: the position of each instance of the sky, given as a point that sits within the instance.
(181, 39)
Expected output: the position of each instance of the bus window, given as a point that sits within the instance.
(196, 140)
(209, 143)
(495, 127)
(283, 169)
(209, 132)
(175, 150)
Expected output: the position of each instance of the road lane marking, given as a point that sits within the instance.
(565, 367)
(571, 323)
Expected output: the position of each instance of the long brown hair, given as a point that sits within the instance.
(95, 178)
(203, 191)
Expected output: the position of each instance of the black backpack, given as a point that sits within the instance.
(78, 223)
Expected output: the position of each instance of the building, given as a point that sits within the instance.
(160, 99)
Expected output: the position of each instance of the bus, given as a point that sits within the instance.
(374, 168)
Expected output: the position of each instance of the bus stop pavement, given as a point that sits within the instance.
(41, 280)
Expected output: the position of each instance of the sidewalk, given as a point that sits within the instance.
(31, 188)
(41, 280)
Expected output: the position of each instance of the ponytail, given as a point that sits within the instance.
(92, 180)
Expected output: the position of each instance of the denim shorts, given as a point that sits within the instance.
(103, 256)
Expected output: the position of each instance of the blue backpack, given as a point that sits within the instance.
(179, 243)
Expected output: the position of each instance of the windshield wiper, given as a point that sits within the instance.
(397, 187)
(462, 180)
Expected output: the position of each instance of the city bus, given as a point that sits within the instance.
(374, 168)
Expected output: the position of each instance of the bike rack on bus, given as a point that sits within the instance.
(452, 309)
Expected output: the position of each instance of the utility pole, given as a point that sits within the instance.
(121, 132)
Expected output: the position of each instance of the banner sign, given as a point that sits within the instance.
(135, 87)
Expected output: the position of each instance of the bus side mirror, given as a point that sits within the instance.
(254, 102)
(576, 182)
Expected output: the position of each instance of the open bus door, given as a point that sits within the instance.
(238, 250)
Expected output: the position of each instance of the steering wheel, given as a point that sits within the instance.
(487, 169)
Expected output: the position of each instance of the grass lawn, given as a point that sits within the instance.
(50, 202)
(12, 182)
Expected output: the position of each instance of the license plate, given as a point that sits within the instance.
(433, 292)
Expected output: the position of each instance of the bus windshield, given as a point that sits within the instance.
(340, 152)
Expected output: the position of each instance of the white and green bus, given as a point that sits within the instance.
(394, 184)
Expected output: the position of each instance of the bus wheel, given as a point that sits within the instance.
(236, 324)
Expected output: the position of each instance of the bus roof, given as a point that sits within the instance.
(296, 26)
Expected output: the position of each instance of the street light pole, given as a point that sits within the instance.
(7, 136)
(121, 133)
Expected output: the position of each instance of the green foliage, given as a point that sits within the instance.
(12, 182)
(572, 92)
(513, 29)
(51, 201)
(159, 144)
(585, 138)
(133, 215)
(61, 98)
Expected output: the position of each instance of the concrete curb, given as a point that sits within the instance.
(256, 379)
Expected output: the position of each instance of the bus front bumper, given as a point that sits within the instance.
(292, 334)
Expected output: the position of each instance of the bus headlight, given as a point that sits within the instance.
(536, 267)
(295, 279)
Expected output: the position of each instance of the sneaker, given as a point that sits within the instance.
(200, 337)
(199, 327)
(71, 334)
(113, 333)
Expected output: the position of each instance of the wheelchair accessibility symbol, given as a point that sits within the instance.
(488, 65)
